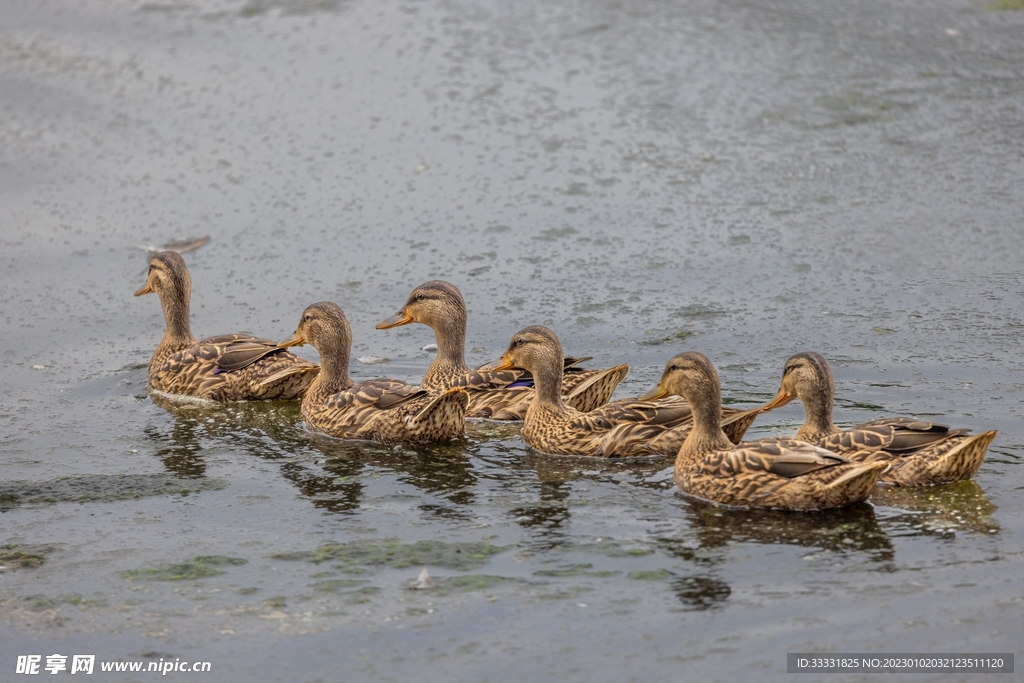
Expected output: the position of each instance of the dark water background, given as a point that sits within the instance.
(747, 179)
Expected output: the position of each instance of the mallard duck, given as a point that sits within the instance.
(919, 453)
(494, 395)
(625, 428)
(775, 473)
(228, 367)
(385, 410)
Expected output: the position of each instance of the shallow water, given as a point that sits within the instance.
(744, 179)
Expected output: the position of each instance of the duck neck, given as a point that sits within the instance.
(333, 377)
(706, 435)
(450, 335)
(177, 333)
(547, 380)
(818, 424)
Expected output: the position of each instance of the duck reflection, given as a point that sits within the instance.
(851, 529)
(701, 592)
(938, 510)
(327, 471)
(179, 450)
(440, 469)
(547, 520)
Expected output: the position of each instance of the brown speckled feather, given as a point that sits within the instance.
(948, 456)
(197, 371)
(384, 410)
(773, 473)
(624, 428)
(918, 452)
(228, 367)
(501, 396)
(782, 473)
(388, 411)
(620, 429)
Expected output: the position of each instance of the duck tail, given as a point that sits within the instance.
(857, 483)
(736, 425)
(963, 461)
(444, 417)
(595, 391)
(288, 372)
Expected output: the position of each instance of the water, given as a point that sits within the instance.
(744, 179)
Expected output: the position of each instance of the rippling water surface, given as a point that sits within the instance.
(744, 179)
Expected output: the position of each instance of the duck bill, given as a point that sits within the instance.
(657, 392)
(400, 318)
(144, 289)
(781, 399)
(503, 363)
(295, 340)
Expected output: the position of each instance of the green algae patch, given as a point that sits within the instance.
(20, 557)
(650, 575)
(398, 555)
(197, 568)
(568, 593)
(99, 488)
(338, 585)
(1004, 5)
(41, 603)
(360, 595)
(468, 583)
(609, 548)
(581, 569)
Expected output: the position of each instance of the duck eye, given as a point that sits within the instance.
(420, 297)
(520, 341)
(306, 318)
(673, 367)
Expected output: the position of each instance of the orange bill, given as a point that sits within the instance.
(503, 363)
(400, 318)
(655, 393)
(295, 340)
(781, 399)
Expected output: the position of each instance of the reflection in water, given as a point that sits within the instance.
(441, 469)
(713, 528)
(939, 510)
(263, 428)
(325, 470)
(548, 519)
(179, 449)
(701, 592)
(339, 490)
(850, 529)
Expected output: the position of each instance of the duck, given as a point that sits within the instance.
(493, 395)
(786, 474)
(227, 367)
(619, 429)
(383, 410)
(918, 452)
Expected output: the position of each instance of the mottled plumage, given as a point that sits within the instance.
(383, 410)
(228, 367)
(775, 473)
(493, 395)
(626, 428)
(918, 452)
